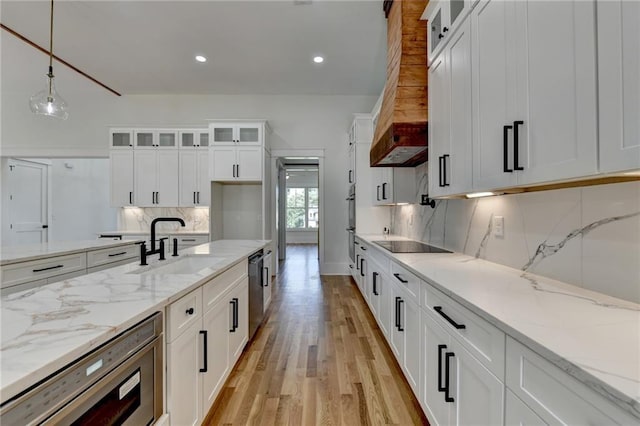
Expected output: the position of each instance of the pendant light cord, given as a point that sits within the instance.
(51, 43)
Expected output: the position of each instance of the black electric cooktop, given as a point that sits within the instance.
(409, 247)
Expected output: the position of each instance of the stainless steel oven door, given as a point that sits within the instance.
(131, 394)
(352, 207)
(352, 246)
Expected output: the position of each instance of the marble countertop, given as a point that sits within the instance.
(45, 328)
(591, 336)
(26, 252)
(160, 232)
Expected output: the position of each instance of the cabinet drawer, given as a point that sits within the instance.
(182, 313)
(407, 280)
(214, 289)
(112, 254)
(190, 240)
(483, 340)
(554, 395)
(23, 272)
(383, 261)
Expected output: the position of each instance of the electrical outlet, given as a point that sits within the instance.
(498, 226)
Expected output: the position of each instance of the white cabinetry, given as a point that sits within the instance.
(393, 185)
(450, 117)
(183, 360)
(121, 138)
(443, 18)
(156, 177)
(534, 92)
(236, 163)
(121, 176)
(619, 84)
(153, 138)
(232, 133)
(266, 280)
(195, 187)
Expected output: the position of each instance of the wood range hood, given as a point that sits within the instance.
(400, 138)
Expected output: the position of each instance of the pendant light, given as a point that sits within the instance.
(48, 101)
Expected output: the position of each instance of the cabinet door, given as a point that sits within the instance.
(517, 413)
(238, 338)
(619, 84)
(411, 325)
(249, 164)
(144, 139)
(121, 174)
(556, 90)
(374, 292)
(435, 343)
(249, 134)
(222, 162)
(188, 139)
(439, 123)
(352, 164)
(397, 331)
(386, 187)
(216, 324)
(478, 394)
(385, 307)
(203, 196)
(167, 139)
(266, 290)
(377, 177)
(223, 134)
(168, 181)
(145, 165)
(121, 138)
(183, 377)
(493, 78)
(188, 177)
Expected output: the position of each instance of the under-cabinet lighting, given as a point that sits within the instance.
(480, 194)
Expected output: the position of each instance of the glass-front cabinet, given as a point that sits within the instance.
(236, 133)
(443, 17)
(121, 138)
(196, 138)
(150, 139)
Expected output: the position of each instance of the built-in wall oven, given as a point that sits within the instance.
(119, 383)
(351, 229)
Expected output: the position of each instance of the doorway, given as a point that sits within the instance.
(26, 215)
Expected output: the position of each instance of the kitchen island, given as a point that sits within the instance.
(46, 328)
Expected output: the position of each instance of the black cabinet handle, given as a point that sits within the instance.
(130, 197)
(384, 191)
(397, 313)
(447, 397)
(440, 36)
(400, 326)
(194, 197)
(49, 268)
(233, 316)
(505, 149)
(234, 170)
(268, 278)
(204, 342)
(356, 243)
(238, 170)
(235, 313)
(191, 240)
(516, 166)
(362, 266)
(363, 248)
(350, 176)
(375, 284)
(444, 170)
(378, 192)
(189, 311)
(445, 29)
(440, 168)
(441, 387)
(198, 197)
(358, 262)
(457, 326)
(402, 280)
(117, 254)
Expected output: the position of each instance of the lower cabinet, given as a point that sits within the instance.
(456, 388)
(517, 413)
(266, 281)
(405, 335)
(203, 347)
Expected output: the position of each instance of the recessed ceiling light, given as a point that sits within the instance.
(318, 59)
(201, 58)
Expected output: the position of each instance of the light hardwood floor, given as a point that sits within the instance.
(318, 358)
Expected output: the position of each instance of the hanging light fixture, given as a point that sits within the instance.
(48, 101)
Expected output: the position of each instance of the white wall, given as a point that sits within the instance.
(80, 199)
(302, 237)
(298, 122)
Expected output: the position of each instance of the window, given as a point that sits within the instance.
(302, 208)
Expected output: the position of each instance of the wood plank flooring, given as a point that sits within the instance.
(319, 358)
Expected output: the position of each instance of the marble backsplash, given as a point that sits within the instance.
(588, 236)
(139, 218)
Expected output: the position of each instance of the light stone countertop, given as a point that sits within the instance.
(591, 336)
(46, 328)
(27, 252)
(159, 232)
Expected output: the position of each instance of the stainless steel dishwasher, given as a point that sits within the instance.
(119, 383)
(256, 296)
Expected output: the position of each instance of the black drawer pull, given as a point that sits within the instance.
(516, 147)
(189, 239)
(438, 309)
(397, 313)
(441, 387)
(117, 254)
(268, 277)
(362, 259)
(402, 280)
(233, 316)
(444, 170)
(375, 284)
(204, 342)
(440, 169)
(447, 397)
(400, 326)
(363, 248)
(235, 313)
(505, 149)
(49, 268)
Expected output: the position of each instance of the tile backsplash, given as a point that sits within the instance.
(139, 219)
(588, 236)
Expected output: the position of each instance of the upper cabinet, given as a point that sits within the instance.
(619, 84)
(230, 133)
(443, 17)
(121, 138)
(154, 139)
(194, 139)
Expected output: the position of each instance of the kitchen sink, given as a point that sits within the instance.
(185, 265)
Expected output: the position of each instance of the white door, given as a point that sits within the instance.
(397, 335)
(556, 90)
(216, 324)
(145, 164)
(183, 377)
(203, 196)
(121, 164)
(411, 325)
(493, 77)
(28, 204)
(239, 336)
(435, 343)
(249, 164)
(619, 84)
(168, 178)
(439, 123)
(222, 163)
(188, 177)
(384, 294)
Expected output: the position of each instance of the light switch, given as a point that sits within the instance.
(498, 226)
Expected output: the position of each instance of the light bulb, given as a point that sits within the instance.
(49, 102)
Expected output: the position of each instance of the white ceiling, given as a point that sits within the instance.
(263, 47)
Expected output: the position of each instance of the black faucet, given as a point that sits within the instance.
(160, 250)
